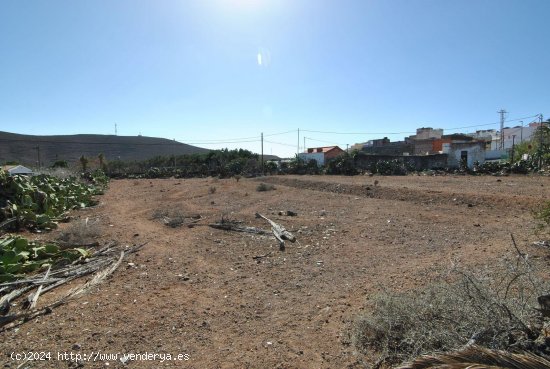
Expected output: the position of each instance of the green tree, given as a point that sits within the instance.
(271, 167)
(342, 164)
(60, 164)
(101, 159)
(84, 163)
(541, 137)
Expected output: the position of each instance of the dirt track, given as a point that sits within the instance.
(201, 291)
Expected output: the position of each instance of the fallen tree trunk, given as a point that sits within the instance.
(279, 231)
(237, 228)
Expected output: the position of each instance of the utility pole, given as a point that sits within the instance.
(263, 173)
(541, 143)
(347, 148)
(305, 144)
(521, 132)
(298, 146)
(502, 113)
(38, 156)
(116, 133)
(513, 144)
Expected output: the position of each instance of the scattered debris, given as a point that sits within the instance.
(182, 220)
(103, 262)
(288, 213)
(544, 243)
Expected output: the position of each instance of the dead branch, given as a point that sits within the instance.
(279, 231)
(64, 245)
(34, 299)
(226, 226)
(71, 295)
(101, 263)
(34, 281)
(8, 222)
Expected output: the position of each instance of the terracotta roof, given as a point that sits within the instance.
(323, 148)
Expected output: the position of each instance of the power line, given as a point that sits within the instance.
(243, 139)
(280, 133)
(278, 143)
(220, 142)
(410, 132)
(124, 143)
(250, 139)
(327, 142)
(357, 133)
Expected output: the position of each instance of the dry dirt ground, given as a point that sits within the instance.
(205, 293)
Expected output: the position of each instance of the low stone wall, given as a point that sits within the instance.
(419, 162)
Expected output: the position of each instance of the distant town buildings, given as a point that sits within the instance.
(460, 148)
(512, 136)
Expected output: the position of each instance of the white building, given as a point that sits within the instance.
(512, 136)
(17, 169)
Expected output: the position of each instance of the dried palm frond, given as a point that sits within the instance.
(476, 357)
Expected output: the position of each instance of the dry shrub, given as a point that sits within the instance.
(265, 187)
(174, 217)
(494, 309)
(160, 213)
(212, 189)
(542, 214)
(81, 232)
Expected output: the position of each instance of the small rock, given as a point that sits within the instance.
(77, 346)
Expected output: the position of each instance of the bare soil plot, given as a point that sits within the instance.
(233, 300)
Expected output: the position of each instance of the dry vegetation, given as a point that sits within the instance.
(383, 269)
(493, 307)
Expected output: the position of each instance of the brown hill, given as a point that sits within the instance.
(25, 149)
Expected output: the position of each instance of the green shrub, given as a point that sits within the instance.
(19, 256)
(40, 201)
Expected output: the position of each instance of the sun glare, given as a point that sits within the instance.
(243, 3)
(263, 57)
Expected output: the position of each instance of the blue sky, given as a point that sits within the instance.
(206, 70)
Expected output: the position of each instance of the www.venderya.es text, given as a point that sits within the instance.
(96, 356)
